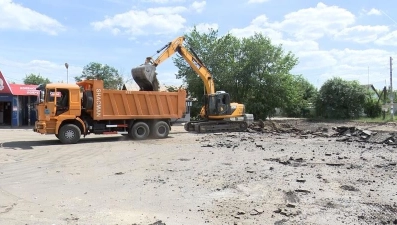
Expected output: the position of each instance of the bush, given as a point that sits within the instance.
(372, 108)
(340, 99)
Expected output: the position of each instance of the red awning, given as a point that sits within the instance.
(17, 89)
(22, 89)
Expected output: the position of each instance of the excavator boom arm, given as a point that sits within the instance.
(177, 46)
(170, 49)
(199, 68)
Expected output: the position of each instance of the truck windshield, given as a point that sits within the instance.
(50, 95)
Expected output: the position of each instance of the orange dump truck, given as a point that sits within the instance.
(72, 110)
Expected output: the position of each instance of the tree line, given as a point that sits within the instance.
(257, 73)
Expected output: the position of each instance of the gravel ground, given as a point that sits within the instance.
(272, 177)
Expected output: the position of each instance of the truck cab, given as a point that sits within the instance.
(58, 103)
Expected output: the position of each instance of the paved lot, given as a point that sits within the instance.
(240, 178)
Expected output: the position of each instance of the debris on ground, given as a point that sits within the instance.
(343, 133)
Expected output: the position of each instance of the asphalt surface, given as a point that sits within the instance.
(235, 178)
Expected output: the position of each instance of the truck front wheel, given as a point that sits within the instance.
(69, 134)
(139, 131)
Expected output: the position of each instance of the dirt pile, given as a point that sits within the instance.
(350, 134)
(342, 133)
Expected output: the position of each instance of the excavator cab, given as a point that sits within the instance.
(217, 104)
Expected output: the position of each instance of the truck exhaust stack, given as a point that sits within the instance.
(146, 77)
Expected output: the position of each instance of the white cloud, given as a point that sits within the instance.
(257, 1)
(310, 60)
(16, 16)
(374, 11)
(161, 20)
(204, 27)
(198, 6)
(163, 1)
(258, 25)
(15, 71)
(388, 39)
(305, 26)
(168, 78)
(166, 10)
(314, 23)
(261, 25)
(361, 33)
(302, 32)
(350, 64)
(298, 47)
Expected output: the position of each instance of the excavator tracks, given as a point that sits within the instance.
(216, 126)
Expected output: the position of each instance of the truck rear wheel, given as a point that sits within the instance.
(160, 129)
(139, 131)
(69, 134)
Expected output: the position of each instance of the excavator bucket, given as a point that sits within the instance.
(146, 77)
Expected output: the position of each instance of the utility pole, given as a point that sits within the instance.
(368, 81)
(67, 72)
(391, 90)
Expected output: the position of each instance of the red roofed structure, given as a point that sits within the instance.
(16, 103)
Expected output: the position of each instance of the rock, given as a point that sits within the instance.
(277, 211)
(281, 222)
(366, 132)
(302, 191)
(158, 223)
(349, 188)
(240, 213)
(291, 205)
(334, 164)
(255, 212)
(208, 145)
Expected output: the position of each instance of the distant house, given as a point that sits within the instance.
(16, 103)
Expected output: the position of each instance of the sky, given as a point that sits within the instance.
(353, 39)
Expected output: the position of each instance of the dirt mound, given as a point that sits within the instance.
(343, 133)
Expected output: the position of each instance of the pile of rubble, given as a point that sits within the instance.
(355, 134)
(343, 133)
(271, 126)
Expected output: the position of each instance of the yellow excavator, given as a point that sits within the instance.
(218, 113)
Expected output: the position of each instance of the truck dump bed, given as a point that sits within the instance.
(125, 104)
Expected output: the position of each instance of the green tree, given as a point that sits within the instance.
(35, 79)
(303, 95)
(252, 70)
(372, 108)
(110, 76)
(172, 88)
(340, 99)
(268, 69)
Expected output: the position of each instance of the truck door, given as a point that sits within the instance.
(50, 107)
(62, 100)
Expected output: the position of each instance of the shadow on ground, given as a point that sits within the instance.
(30, 145)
